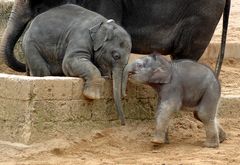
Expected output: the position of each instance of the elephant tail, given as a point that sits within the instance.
(15, 27)
(7, 52)
(224, 36)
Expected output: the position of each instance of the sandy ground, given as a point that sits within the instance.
(233, 26)
(131, 144)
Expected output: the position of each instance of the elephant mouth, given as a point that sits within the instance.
(106, 72)
(135, 77)
(131, 74)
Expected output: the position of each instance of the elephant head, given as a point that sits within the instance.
(112, 47)
(154, 69)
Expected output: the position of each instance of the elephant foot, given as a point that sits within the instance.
(93, 88)
(158, 140)
(222, 136)
(211, 144)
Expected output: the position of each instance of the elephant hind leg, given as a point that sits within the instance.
(221, 133)
(206, 113)
(36, 64)
(212, 136)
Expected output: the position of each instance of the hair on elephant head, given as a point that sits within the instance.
(162, 70)
(150, 69)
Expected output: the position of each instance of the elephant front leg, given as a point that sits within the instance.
(164, 112)
(92, 88)
(80, 67)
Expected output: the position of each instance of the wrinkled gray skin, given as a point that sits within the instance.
(72, 41)
(180, 83)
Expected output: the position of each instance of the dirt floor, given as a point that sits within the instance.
(130, 145)
(229, 76)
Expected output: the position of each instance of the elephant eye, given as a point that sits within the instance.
(140, 65)
(122, 44)
(116, 56)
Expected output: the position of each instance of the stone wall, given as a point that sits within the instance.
(33, 108)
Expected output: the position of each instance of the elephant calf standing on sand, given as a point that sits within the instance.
(73, 41)
(180, 83)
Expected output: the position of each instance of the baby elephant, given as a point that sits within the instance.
(181, 83)
(73, 41)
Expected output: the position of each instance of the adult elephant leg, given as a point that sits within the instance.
(191, 38)
(81, 67)
(17, 22)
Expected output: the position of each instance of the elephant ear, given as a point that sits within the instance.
(101, 33)
(93, 30)
(163, 70)
(109, 29)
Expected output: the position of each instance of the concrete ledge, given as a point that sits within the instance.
(34, 109)
(232, 50)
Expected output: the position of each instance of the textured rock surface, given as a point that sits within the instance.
(33, 109)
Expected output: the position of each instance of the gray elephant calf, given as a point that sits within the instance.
(72, 41)
(180, 83)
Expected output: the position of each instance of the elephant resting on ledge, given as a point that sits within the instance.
(73, 41)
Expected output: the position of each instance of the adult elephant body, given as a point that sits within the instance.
(180, 28)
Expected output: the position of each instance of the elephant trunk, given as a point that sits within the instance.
(17, 22)
(125, 79)
(117, 86)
